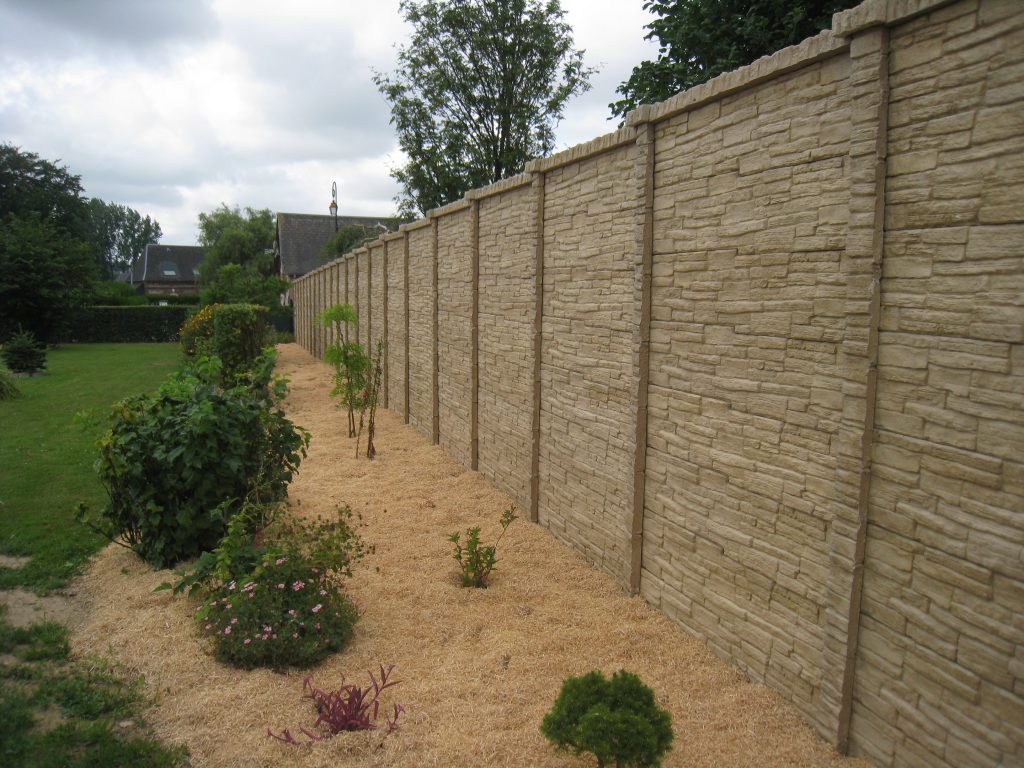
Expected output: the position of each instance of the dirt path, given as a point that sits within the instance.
(479, 667)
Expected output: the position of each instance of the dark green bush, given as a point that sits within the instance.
(23, 354)
(617, 720)
(178, 463)
(173, 299)
(126, 324)
(8, 386)
(239, 335)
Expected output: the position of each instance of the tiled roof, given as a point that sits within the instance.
(168, 264)
(301, 238)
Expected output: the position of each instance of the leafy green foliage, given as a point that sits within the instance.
(617, 720)
(176, 464)
(23, 354)
(699, 39)
(239, 334)
(119, 235)
(8, 386)
(111, 293)
(478, 92)
(197, 332)
(239, 265)
(280, 603)
(351, 363)
(478, 561)
(349, 237)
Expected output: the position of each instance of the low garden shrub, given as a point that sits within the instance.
(23, 354)
(8, 385)
(239, 335)
(350, 708)
(177, 464)
(287, 612)
(273, 593)
(478, 561)
(197, 331)
(616, 720)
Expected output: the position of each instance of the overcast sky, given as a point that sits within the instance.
(175, 106)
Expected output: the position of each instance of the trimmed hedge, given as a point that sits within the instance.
(127, 324)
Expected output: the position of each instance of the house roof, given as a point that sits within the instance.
(301, 237)
(168, 264)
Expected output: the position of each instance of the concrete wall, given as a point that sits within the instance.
(758, 355)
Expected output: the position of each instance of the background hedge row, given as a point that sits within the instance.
(127, 324)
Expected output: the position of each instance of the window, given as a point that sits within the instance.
(168, 269)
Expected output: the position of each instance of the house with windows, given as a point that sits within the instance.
(167, 269)
(300, 239)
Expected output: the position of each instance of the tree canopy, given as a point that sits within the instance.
(238, 266)
(119, 235)
(349, 237)
(46, 263)
(477, 93)
(699, 39)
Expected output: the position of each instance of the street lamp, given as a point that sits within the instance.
(334, 204)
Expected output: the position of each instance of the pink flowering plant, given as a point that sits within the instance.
(285, 613)
(273, 597)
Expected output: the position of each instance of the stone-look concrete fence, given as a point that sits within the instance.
(758, 356)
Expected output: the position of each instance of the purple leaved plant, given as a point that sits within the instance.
(350, 708)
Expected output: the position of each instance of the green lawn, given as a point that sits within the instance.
(47, 448)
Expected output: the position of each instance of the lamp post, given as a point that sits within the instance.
(334, 204)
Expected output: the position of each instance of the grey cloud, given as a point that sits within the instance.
(55, 28)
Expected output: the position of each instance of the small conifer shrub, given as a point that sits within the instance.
(23, 354)
(616, 720)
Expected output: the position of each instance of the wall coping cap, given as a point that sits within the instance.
(875, 13)
(413, 225)
(598, 146)
(505, 185)
(445, 210)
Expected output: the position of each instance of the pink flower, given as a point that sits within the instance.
(297, 586)
(317, 625)
(291, 612)
(280, 560)
(208, 627)
(323, 593)
(247, 641)
(280, 586)
(317, 607)
(234, 621)
(227, 630)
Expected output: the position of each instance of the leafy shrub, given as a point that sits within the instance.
(617, 720)
(23, 354)
(350, 361)
(330, 546)
(178, 463)
(8, 386)
(476, 561)
(239, 335)
(350, 708)
(286, 613)
(197, 331)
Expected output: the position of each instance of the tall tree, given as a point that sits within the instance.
(119, 235)
(477, 93)
(239, 265)
(699, 39)
(46, 267)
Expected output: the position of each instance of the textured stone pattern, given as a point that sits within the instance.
(362, 297)
(747, 317)
(376, 329)
(507, 241)
(586, 441)
(940, 664)
(768, 231)
(421, 330)
(396, 327)
(454, 316)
